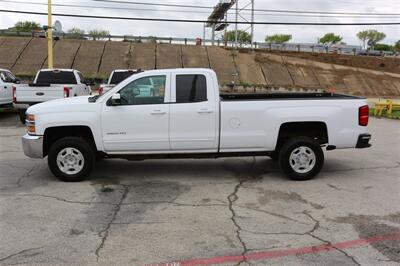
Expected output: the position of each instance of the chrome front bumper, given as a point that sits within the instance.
(33, 146)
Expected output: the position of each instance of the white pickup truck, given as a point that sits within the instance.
(186, 117)
(116, 77)
(49, 84)
(7, 81)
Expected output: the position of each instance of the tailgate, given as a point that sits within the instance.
(26, 94)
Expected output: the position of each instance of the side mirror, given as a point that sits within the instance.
(116, 99)
(17, 81)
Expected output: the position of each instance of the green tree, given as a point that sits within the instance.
(278, 38)
(243, 37)
(330, 38)
(383, 47)
(99, 34)
(370, 38)
(26, 26)
(75, 33)
(396, 46)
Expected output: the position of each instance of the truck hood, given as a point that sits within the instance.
(73, 104)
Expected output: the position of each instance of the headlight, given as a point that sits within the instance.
(30, 124)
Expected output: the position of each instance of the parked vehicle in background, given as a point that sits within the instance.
(116, 77)
(49, 84)
(7, 80)
(185, 116)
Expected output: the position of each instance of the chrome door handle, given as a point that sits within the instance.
(158, 112)
(205, 111)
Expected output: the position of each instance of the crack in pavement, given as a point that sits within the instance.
(271, 213)
(59, 199)
(104, 233)
(18, 253)
(309, 233)
(329, 243)
(232, 198)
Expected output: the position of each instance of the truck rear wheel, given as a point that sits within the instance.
(71, 159)
(301, 158)
(22, 115)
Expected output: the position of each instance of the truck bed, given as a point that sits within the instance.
(285, 96)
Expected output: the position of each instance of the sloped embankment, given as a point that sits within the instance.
(250, 72)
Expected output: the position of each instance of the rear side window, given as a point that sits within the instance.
(191, 88)
(118, 77)
(56, 77)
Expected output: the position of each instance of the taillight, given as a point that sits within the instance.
(14, 91)
(100, 90)
(363, 115)
(66, 92)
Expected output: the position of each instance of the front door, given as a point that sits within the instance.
(140, 123)
(194, 114)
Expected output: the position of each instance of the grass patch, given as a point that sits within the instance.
(394, 115)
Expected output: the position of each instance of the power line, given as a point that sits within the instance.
(199, 21)
(195, 11)
(256, 10)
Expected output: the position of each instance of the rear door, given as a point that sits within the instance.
(193, 119)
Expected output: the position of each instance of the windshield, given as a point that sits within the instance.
(7, 76)
(119, 76)
(56, 77)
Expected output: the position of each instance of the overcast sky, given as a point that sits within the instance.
(302, 34)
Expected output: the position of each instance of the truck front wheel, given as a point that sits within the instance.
(301, 158)
(71, 159)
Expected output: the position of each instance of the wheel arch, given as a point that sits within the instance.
(52, 134)
(317, 130)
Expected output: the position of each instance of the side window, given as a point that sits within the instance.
(147, 90)
(191, 88)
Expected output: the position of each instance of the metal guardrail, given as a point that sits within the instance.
(293, 47)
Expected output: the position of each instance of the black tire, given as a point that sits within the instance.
(22, 115)
(79, 144)
(290, 146)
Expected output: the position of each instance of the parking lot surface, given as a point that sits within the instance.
(198, 212)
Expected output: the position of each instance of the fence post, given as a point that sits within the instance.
(298, 48)
(170, 40)
(185, 41)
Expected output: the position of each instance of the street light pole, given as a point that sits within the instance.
(49, 37)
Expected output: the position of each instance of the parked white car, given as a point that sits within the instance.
(116, 77)
(7, 81)
(186, 117)
(49, 84)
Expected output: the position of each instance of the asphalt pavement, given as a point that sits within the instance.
(203, 212)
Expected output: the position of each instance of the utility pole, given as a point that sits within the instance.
(236, 24)
(49, 37)
(252, 24)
